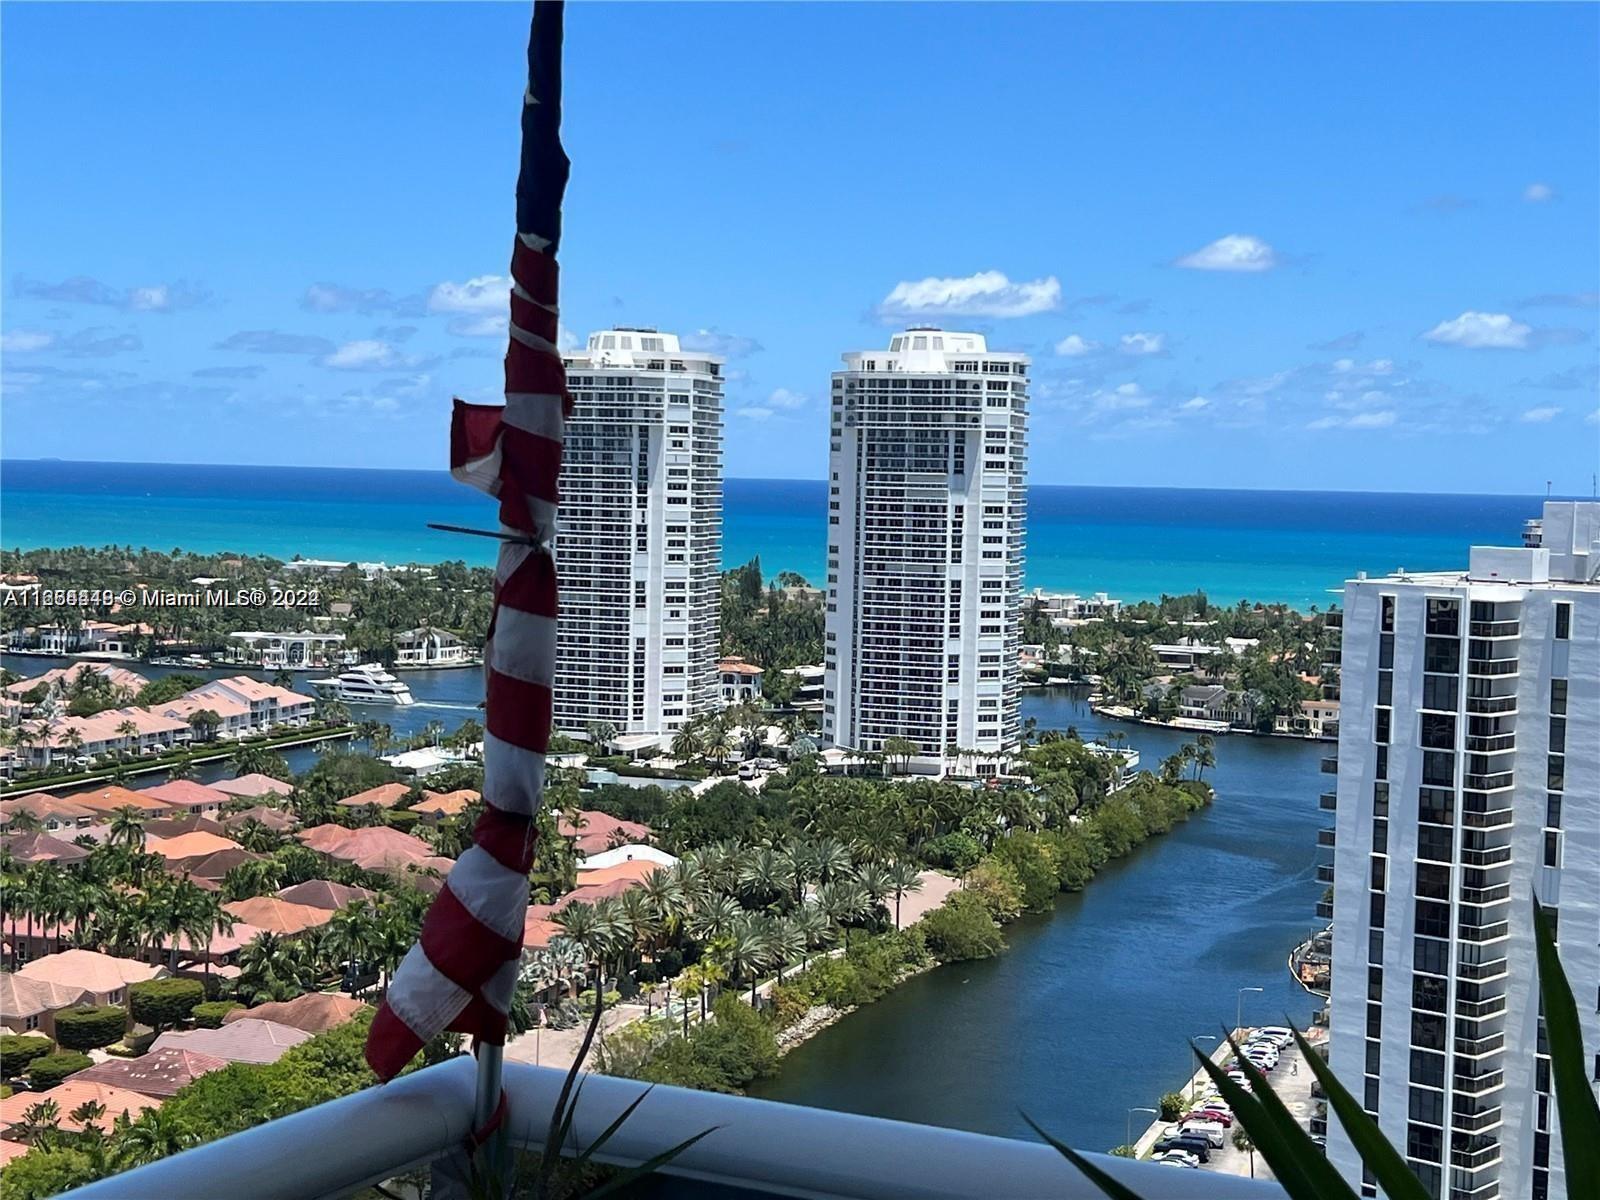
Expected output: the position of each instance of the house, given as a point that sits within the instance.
(274, 819)
(52, 812)
(630, 852)
(159, 1074)
(274, 915)
(31, 1005)
(213, 867)
(57, 681)
(68, 1097)
(269, 704)
(597, 831)
(185, 795)
(279, 650)
(250, 1040)
(233, 716)
(738, 681)
(314, 1012)
(103, 977)
(1211, 702)
(189, 847)
(429, 647)
(383, 797)
(252, 786)
(107, 800)
(28, 848)
(26, 940)
(437, 806)
(1315, 719)
(379, 848)
(325, 894)
(171, 827)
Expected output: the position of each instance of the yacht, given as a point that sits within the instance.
(367, 684)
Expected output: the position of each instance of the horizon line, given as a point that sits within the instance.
(94, 462)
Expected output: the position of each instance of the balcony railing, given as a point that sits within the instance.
(1486, 705)
(1493, 629)
(1478, 1085)
(1330, 765)
(758, 1148)
(1328, 801)
(1491, 667)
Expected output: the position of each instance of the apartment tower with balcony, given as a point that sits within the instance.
(1468, 776)
(639, 544)
(926, 503)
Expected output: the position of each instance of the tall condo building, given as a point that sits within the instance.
(926, 504)
(1468, 778)
(639, 543)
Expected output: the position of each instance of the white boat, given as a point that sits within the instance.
(367, 684)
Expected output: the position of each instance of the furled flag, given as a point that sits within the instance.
(462, 972)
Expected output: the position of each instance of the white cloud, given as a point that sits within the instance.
(1538, 193)
(487, 325)
(753, 414)
(1236, 252)
(783, 398)
(986, 294)
(1481, 331)
(367, 354)
(1123, 396)
(483, 293)
(18, 340)
(1545, 412)
(1372, 420)
(1143, 343)
(714, 341)
(1075, 346)
(1194, 405)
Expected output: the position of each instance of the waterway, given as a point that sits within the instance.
(1088, 1012)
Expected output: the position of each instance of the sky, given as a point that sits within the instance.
(1262, 246)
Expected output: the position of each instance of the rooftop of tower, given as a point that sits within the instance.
(635, 346)
(927, 349)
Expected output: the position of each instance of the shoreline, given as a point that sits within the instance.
(1116, 712)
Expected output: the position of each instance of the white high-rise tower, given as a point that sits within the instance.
(639, 546)
(926, 505)
(1468, 781)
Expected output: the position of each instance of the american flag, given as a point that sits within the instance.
(462, 972)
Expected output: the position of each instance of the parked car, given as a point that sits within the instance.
(1212, 1133)
(1177, 1158)
(1189, 1144)
(1277, 1034)
(1221, 1116)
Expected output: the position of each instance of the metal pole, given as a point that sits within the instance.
(1238, 1010)
(1189, 1087)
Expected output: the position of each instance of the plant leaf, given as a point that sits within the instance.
(1397, 1180)
(648, 1167)
(1268, 1136)
(610, 1129)
(1308, 1158)
(1109, 1186)
(1575, 1102)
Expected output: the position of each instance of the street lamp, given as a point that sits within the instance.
(1128, 1132)
(1238, 1011)
(1202, 1037)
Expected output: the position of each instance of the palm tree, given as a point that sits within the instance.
(41, 1123)
(876, 882)
(592, 929)
(256, 837)
(785, 942)
(832, 859)
(904, 876)
(746, 949)
(182, 769)
(687, 743)
(814, 928)
(128, 730)
(352, 935)
(715, 917)
(23, 821)
(153, 1136)
(764, 875)
(269, 969)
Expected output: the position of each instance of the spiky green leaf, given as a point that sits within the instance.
(1575, 1102)
(1109, 1186)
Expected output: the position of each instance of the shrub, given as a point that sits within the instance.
(163, 1003)
(17, 1050)
(403, 819)
(209, 1015)
(1171, 1106)
(835, 982)
(958, 852)
(89, 1028)
(1029, 857)
(646, 972)
(789, 1005)
(739, 1046)
(669, 963)
(50, 1069)
(995, 883)
(40, 1173)
(962, 929)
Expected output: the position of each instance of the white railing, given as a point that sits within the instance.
(759, 1147)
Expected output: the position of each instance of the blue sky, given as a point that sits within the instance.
(1247, 246)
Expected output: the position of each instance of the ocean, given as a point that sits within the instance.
(1135, 543)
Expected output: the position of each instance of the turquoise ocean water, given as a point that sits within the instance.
(1135, 543)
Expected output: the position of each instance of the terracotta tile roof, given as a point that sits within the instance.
(44, 806)
(158, 1074)
(21, 997)
(90, 970)
(597, 828)
(446, 804)
(171, 827)
(278, 916)
(314, 1012)
(323, 893)
(108, 799)
(250, 1041)
(371, 848)
(42, 847)
(738, 666)
(273, 818)
(254, 785)
(214, 866)
(187, 794)
(538, 928)
(385, 795)
(69, 1095)
(189, 845)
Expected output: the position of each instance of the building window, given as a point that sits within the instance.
(1563, 622)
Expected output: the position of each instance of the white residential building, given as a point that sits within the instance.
(640, 536)
(1468, 771)
(430, 647)
(925, 538)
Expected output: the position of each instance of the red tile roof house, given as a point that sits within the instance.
(171, 827)
(107, 800)
(213, 867)
(274, 819)
(383, 797)
(250, 1040)
(269, 704)
(597, 831)
(189, 847)
(67, 1097)
(324, 893)
(278, 916)
(381, 848)
(314, 1012)
(104, 977)
(253, 785)
(187, 796)
(28, 848)
(31, 1005)
(158, 1074)
(53, 812)
(436, 806)
(539, 926)
(24, 944)
(235, 716)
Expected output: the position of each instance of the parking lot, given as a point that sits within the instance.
(1291, 1079)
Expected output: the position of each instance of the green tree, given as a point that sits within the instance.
(90, 1027)
(163, 1003)
(961, 929)
(48, 1070)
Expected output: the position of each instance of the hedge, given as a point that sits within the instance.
(44, 1073)
(90, 1028)
(209, 1015)
(163, 1003)
(17, 1050)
